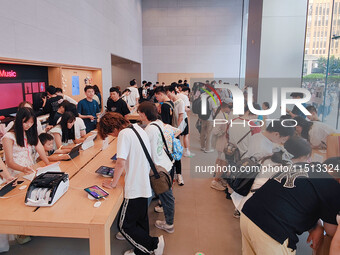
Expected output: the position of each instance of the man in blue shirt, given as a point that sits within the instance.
(88, 109)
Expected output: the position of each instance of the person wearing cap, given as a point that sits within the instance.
(296, 111)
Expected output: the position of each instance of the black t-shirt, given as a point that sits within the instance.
(55, 119)
(51, 106)
(285, 212)
(167, 112)
(119, 106)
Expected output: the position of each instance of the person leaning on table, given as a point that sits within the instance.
(133, 221)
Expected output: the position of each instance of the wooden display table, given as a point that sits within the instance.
(73, 215)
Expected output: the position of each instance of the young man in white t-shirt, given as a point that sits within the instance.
(133, 220)
(181, 118)
(133, 98)
(149, 116)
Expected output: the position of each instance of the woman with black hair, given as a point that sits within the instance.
(70, 130)
(21, 142)
(315, 132)
(98, 96)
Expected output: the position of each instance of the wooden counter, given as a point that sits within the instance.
(73, 215)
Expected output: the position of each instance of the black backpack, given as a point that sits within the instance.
(197, 108)
(240, 180)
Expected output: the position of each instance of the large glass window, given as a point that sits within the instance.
(321, 72)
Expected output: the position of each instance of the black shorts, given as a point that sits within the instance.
(186, 130)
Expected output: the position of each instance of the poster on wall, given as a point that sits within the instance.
(75, 85)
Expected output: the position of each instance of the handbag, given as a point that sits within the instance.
(160, 179)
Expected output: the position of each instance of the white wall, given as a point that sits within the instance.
(282, 45)
(78, 32)
(190, 36)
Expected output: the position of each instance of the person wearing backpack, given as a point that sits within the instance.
(207, 124)
(166, 112)
(262, 145)
(160, 156)
(180, 117)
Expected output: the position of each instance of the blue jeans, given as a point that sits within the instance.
(168, 203)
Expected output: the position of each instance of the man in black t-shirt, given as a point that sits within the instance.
(116, 104)
(52, 103)
(287, 205)
(166, 105)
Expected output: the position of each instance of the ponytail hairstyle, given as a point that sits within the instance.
(295, 147)
(23, 115)
(67, 134)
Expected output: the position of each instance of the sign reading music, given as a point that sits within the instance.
(8, 74)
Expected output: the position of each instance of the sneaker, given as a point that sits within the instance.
(158, 209)
(188, 154)
(217, 185)
(180, 180)
(160, 247)
(22, 239)
(202, 149)
(130, 252)
(162, 225)
(119, 236)
(237, 214)
(209, 151)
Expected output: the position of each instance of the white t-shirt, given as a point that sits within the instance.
(236, 132)
(318, 134)
(158, 153)
(71, 100)
(137, 168)
(259, 146)
(79, 126)
(185, 99)
(131, 99)
(212, 106)
(179, 108)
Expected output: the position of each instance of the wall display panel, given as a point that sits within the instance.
(18, 83)
(13, 96)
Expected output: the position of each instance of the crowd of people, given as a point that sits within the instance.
(277, 207)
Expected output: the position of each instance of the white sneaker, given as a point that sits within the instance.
(180, 180)
(158, 209)
(188, 154)
(119, 236)
(162, 225)
(208, 151)
(160, 247)
(130, 252)
(202, 149)
(217, 185)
